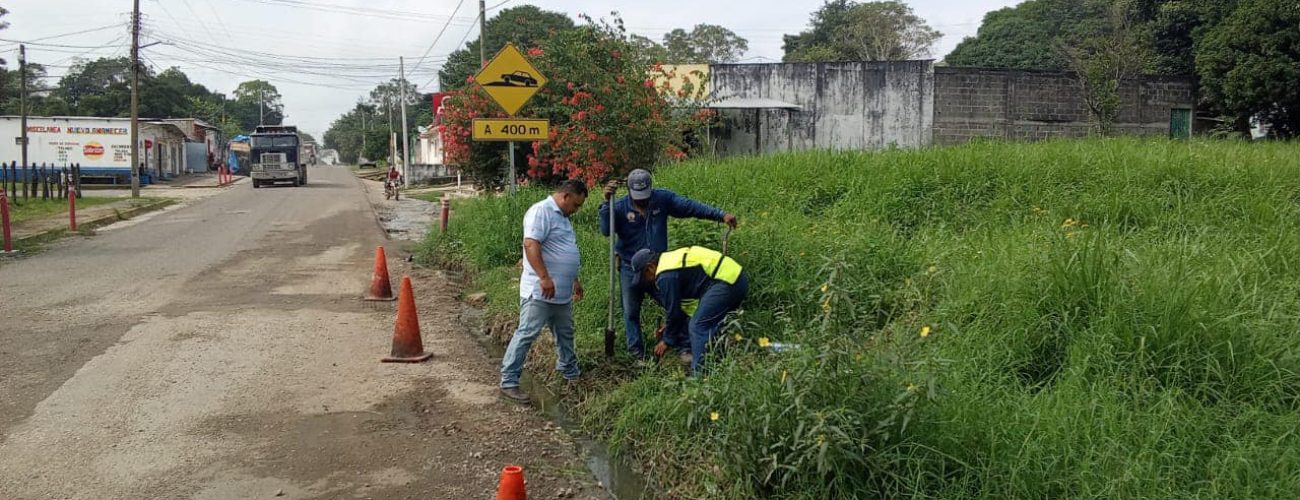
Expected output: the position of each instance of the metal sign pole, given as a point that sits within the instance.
(511, 174)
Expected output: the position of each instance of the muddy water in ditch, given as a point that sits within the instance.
(615, 473)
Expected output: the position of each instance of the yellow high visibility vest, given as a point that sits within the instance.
(723, 269)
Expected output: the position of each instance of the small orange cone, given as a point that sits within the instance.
(512, 484)
(380, 288)
(407, 346)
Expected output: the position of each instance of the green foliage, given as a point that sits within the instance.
(703, 44)
(611, 110)
(844, 30)
(1029, 35)
(524, 25)
(258, 102)
(1107, 319)
(1104, 60)
(1250, 63)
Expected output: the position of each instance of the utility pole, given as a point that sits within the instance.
(363, 135)
(22, 104)
(261, 107)
(135, 100)
(482, 33)
(406, 138)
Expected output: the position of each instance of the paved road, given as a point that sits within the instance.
(219, 350)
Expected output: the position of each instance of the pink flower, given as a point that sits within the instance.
(582, 115)
(649, 83)
(535, 52)
(571, 86)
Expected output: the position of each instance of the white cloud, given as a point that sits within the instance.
(259, 25)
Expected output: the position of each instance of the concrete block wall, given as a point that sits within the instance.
(1021, 105)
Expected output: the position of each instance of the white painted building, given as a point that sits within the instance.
(99, 145)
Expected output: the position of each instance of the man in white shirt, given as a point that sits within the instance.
(548, 286)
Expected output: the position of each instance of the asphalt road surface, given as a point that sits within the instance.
(220, 350)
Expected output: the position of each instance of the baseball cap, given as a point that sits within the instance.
(639, 184)
(641, 259)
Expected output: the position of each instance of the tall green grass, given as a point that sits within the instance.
(1106, 319)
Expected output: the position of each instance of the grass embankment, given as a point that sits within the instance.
(30, 209)
(1100, 319)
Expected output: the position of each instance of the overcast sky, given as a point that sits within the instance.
(367, 36)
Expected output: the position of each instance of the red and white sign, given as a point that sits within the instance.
(93, 151)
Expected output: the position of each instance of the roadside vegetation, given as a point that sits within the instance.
(1069, 319)
(21, 210)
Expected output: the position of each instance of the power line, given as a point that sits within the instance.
(468, 32)
(398, 15)
(439, 37)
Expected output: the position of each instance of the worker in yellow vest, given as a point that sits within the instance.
(697, 287)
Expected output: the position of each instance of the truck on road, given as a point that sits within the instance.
(276, 156)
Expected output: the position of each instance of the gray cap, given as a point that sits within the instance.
(639, 184)
(641, 259)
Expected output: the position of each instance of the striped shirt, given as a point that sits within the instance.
(546, 223)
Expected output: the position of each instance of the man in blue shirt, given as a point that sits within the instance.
(641, 222)
(697, 287)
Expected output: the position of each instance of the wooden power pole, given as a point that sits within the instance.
(135, 100)
(482, 33)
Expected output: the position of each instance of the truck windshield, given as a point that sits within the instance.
(275, 142)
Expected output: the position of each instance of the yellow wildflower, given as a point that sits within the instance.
(826, 305)
(821, 438)
(912, 388)
(925, 331)
(763, 342)
(1068, 223)
(714, 416)
(737, 337)
(933, 269)
(826, 287)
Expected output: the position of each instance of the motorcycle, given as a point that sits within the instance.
(390, 189)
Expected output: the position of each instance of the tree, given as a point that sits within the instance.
(100, 87)
(652, 49)
(610, 106)
(874, 31)
(524, 25)
(1250, 63)
(705, 43)
(1029, 35)
(1104, 61)
(258, 102)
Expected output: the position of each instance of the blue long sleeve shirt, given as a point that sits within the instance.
(636, 231)
(672, 288)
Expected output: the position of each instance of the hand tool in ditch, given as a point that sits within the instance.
(613, 270)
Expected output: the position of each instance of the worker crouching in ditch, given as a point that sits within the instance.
(697, 287)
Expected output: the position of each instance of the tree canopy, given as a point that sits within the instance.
(703, 44)
(525, 26)
(843, 30)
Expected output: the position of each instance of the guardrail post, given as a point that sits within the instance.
(446, 214)
(4, 221)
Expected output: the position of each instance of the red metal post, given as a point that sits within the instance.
(4, 221)
(446, 213)
(72, 209)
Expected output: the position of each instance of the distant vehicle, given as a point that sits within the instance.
(520, 77)
(364, 163)
(276, 156)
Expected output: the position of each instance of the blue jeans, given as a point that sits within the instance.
(718, 300)
(633, 296)
(533, 315)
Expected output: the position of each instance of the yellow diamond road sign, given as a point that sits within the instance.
(510, 79)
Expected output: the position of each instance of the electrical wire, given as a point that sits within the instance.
(398, 15)
(439, 37)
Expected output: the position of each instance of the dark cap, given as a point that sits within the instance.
(642, 258)
(639, 184)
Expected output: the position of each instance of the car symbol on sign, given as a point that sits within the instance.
(520, 78)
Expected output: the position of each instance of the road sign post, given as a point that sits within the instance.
(510, 80)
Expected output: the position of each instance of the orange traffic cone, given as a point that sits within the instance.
(512, 484)
(380, 288)
(407, 346)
